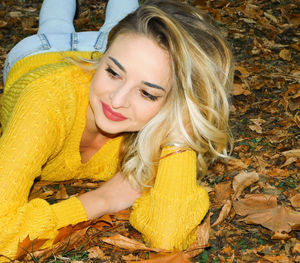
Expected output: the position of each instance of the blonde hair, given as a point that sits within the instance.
(196, 110)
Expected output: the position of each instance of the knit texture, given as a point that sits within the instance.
(43, 116)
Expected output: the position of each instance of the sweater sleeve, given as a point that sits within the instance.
(169, 213)
(33, 133)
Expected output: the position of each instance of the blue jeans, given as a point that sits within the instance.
(56, 30)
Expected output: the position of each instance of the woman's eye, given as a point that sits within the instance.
(112, 73)
(148, 95)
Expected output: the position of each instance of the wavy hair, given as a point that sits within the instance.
(196, 111)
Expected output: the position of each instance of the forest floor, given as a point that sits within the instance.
(255, 200)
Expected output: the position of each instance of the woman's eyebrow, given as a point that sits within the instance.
(117, 64)
(153, 86)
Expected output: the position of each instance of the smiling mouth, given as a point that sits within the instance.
(112, 115)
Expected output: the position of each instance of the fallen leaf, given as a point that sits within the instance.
(15, 14)
(296, 248)
(277, 172)
(297, 119)
(257, 125)
(239, 90)
(30, 246)
(277, 259)
(62, 192)
(127, 243)
(223, 191)
(178, 257)
(202, 237)
(254, 203)
(279, 219)
(295, 201)
(130, 257)
(280, 236)
(104, 221)
(256, 128)
(271, 17)
(96, 252)
(235, 164)
(289, 161)
(243, 180)
(285, 54)
(3, 23)
(63, 233)
(292, 153)
(224, 213)
(42, 195)
(122, 215)
(244, 72)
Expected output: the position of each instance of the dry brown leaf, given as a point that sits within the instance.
(285, 54)
(256, 128)
(127, 243)
(236, 164)
(244, 72)
(295, 201)
(202, 238)
(15, 14)
(279, 219)
(294, 103)
(224, 213)
(238, 89)
(277, 259)
(130, 257)
(292, 153)
(296, 248)
(280, 236)
(289, 161)
(271, 17)
(62, 192)
(42, 195)
(297, 119)
(257, 125)
(122, 215)
(104, 221)
(243, 180)
(223, 191)
(30, 246)
(2, 23)
(254, 203)
(277, 172)
(96, 252)
(178, 257)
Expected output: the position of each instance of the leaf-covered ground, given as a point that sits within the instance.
(254, 215)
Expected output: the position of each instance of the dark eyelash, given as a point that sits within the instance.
(112, 72)
(149, 96)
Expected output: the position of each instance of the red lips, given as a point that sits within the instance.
(112, 115)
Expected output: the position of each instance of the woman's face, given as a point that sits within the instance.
(131, 84)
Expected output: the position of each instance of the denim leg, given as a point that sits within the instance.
(56, 16)
(116, 10)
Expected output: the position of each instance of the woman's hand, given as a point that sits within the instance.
(114, 195)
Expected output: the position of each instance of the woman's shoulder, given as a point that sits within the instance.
(43, 64)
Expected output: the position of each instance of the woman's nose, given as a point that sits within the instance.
(120, 97)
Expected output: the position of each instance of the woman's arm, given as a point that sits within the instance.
(114, 195)
(33, 132)
(169, 213)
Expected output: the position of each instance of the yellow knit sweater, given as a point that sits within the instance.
(43, 117)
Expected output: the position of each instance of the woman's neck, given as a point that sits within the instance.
(92, 136)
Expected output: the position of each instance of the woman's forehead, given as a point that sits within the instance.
(139, 54)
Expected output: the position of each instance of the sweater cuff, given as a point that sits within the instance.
(69, 212)
(176, 172)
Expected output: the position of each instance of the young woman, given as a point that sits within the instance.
(145, 116)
